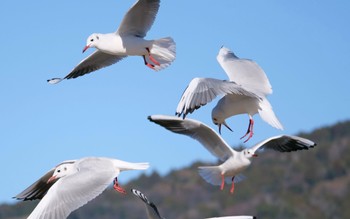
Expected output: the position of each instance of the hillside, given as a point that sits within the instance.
(306, 184)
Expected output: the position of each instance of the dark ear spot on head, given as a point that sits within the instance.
(97, 37)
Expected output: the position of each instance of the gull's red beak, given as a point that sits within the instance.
(254, 155)
(52, 178)
(86, 47)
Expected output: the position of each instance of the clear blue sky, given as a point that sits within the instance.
(303, 46)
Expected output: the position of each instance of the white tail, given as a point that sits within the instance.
(211, 174)
(267, 114)
(164, 51)
(123, 165)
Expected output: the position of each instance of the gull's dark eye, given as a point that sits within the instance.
(92, 40)
(58, 171)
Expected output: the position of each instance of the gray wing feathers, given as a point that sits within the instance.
(285, 143)
(201, 91)
(95, 61)
(73, 191)
(244, 72)
(38, 189)
(198, 131)
(139, 19)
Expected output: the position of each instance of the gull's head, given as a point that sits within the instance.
(249, 153)
(92, 41)
(219, 120)
(225, 53)
(61, 170)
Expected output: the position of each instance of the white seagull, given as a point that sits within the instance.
(128, 40)
(234, 162)
(245, 76)
(153, 213)
(72, 184)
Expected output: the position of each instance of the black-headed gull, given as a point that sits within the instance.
(234, 162)
(128, 40)
(73, 183)
(245, 74)
(153, 213)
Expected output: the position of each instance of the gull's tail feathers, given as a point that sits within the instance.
(163, 51)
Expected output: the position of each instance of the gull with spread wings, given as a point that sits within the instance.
(128, 40)
(234, 162)
(244, 93)
(73, 183)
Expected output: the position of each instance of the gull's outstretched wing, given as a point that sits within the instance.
(201, 91)
(40, 187)
(93, 62)
(75, 190)
(244, 72)
(139, 19)
(284, 143)
(213, 142)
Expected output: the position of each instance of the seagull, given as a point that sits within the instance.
(128, 40)
(153, 213)
(244, 93)
(73, 183)
(234, 162)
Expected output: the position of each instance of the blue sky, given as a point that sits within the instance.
(303, 46)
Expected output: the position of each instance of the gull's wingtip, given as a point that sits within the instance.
(54, 80)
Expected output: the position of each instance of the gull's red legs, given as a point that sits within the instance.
(117, 187)
(222, 182)
(148, 64)
(151, 57)
(233, 185)
(250, 130)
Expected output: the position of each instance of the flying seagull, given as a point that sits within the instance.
(128, 40)
(244, 93)
(73, 183)
(234, 162)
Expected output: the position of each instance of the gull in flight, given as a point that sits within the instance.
(244, 93)
(128, 40)
(234, 162)
(153, 213)
(72, 184)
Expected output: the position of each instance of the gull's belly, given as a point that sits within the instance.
(128, 45)
(238, 104)
(234, 166)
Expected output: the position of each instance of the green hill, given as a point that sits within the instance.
(303, 184)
